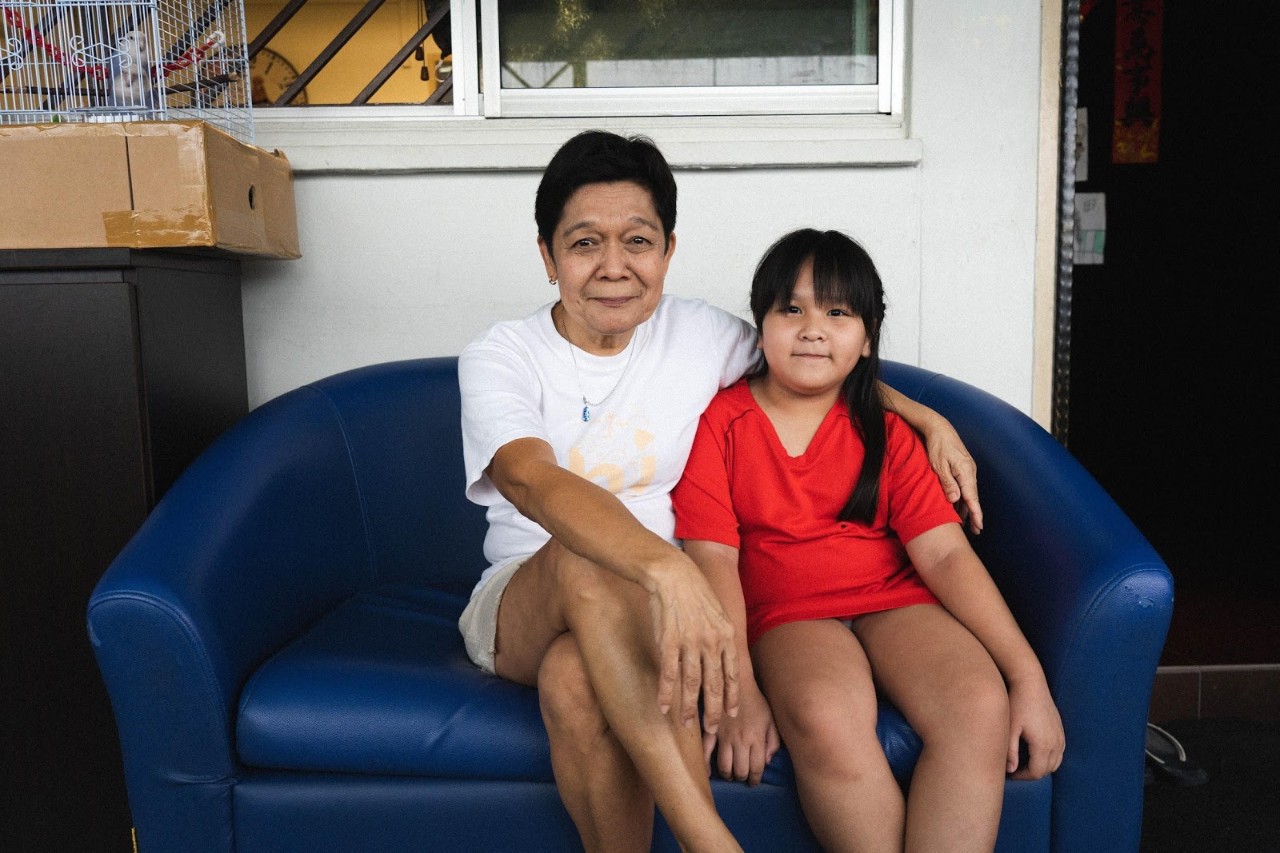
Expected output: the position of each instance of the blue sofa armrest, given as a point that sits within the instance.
(258, 538)
(1088, 590)
(351, 482)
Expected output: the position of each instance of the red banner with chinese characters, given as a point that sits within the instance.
(1135, 135)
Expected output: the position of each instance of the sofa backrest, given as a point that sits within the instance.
(402, 422)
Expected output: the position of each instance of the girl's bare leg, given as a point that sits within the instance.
(946, 685)
(556, 591)
(818, 683)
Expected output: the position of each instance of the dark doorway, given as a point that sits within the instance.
(1174, 337)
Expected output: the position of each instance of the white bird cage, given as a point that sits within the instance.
(142, 60)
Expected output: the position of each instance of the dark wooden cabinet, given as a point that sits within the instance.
(117, 367)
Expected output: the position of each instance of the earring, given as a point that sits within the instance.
(554, 282)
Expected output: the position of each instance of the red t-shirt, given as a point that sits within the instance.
(797, 560)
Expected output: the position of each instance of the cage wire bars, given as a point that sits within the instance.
(125, 60)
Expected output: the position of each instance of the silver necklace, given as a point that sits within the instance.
(587, 405)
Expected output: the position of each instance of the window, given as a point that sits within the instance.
(696, 57)
(720, 83)
(349, 52)
(557, 58)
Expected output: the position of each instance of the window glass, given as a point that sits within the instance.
(363, 41)
(679, 43)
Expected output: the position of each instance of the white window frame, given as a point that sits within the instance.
(475, 135)
(695, 100)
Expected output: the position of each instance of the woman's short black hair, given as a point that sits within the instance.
(599, 157)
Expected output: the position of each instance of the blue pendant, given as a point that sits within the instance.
(586, 414)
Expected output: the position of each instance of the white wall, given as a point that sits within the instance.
(416, 262)
(975, 104)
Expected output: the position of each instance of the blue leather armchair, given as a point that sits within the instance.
(279, 639)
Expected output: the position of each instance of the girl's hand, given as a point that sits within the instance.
(1034, 719)
(746, 743)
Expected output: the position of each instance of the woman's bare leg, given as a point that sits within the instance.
(946, 685)
(818, 683)
(555, 592)
(598, 782)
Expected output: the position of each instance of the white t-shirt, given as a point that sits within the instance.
(521, 379)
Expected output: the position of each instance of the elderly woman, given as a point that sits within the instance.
(577, 422)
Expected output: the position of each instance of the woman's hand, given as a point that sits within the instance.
(956, 470)
(696, 645)
(695, 642)
(1034, 719)
(746, 743)
(950, 460)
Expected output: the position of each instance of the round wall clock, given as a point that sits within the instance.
(270, 74)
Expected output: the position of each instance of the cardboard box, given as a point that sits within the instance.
(143, 185)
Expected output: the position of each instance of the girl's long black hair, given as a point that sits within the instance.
(843, 275)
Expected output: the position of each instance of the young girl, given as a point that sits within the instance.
(814, 514)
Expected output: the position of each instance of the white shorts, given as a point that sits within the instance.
(479, 621)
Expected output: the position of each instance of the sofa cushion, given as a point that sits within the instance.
(383, 685)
